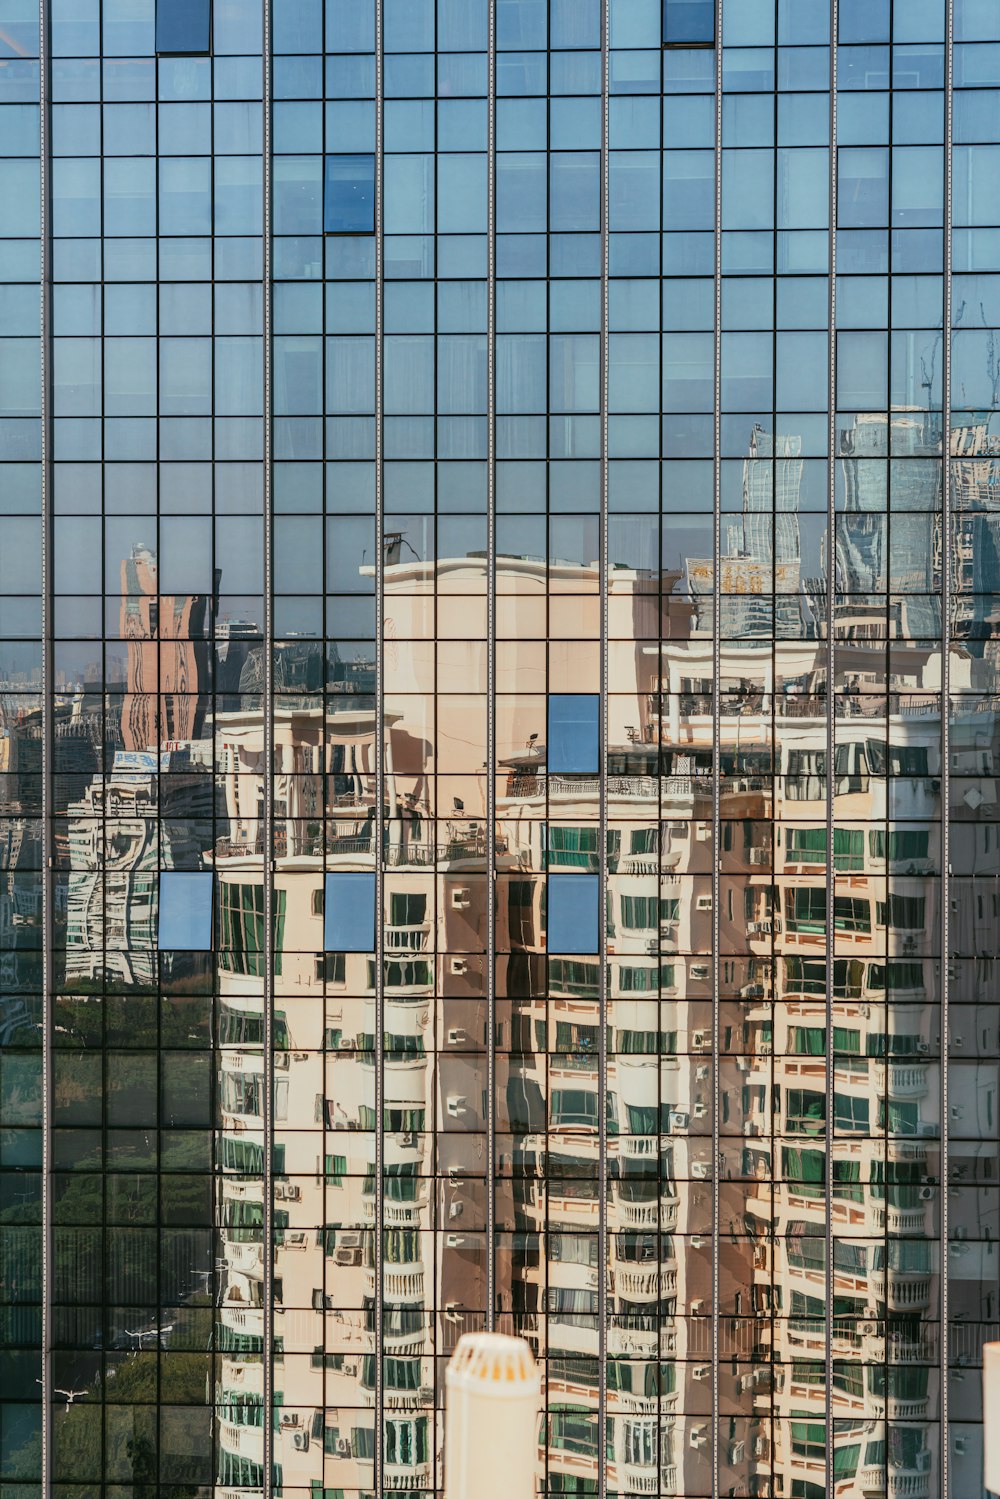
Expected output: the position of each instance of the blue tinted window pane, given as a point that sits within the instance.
(572, 913)
(688, 23)
(349, 913)
(349, 199)
(185, 921)
(183, 25)
(572, 735)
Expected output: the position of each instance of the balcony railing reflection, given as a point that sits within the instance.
(315, 840)
(418, 855)
(239, 848)
(627, 787)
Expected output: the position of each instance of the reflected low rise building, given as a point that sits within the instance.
(499, 741)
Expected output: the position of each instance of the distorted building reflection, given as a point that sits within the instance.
(508, 464)
(197, 803)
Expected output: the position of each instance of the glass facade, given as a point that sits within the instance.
(499, 738)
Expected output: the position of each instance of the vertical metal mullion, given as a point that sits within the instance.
(831, 750)
(47, 747)
(946, 580)
(716, 744)
(602, 832)
(379, 829)
(268, 721)
(491, 573)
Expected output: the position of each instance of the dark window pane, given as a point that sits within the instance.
(185, 919)
(572, 906)
(183, 25)
(688, 23)
(572, 736)
(349, 200)
(349, 914)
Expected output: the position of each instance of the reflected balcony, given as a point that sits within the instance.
(240, 1378)
(634, 1337)
(242, 1291)
(530, 781)
(905, 1221)
(876, 1482)
(583, 1470)
(903, 1080)
(405, 1147)
(901, 1149)
(400, 1477)
(248, 846)
(358, 798)
(633, 1479)
(870, 1339)
(246, 1258)
(641, 1283)
(244, 1441)
(246, 1321)
(400, 1283)
(407, 939)
(644, 863)
(902, 1291)
(680, 793)
(636, 1147)
(351, 849)
(400, 1214)
(241, 1189)
(636, 1216)
(404, 1400)
(404, 1344)
(897, 1408)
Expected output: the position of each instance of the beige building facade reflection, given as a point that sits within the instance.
(576, 1158)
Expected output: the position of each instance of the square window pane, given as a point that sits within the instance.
(572, 907)
(572, 734)
(349, 199)
(183, 26)
(688, 23)
(349, 915)
(185, 914)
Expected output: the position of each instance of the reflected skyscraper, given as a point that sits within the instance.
(499, 576)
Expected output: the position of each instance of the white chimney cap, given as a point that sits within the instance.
(489, 1362)
(991, 1416)
(491, 1424)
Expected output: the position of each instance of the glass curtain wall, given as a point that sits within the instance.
(22, 979)
(498, 732)
(155, 479)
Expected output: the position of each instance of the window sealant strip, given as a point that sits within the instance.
(491, 575)
(831, 749)
(945, 793)
(47, 733)
(379, 830)
(602, 835)
(716, 747)
(268, 728)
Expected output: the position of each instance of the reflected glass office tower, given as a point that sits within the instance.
(499, 740)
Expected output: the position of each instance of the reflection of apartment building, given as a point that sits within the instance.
(789, 1160)
(325, 1122)
(776, 1314)
(167, 656)
(114, 847)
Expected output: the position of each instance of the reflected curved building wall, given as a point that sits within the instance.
(419, 385)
